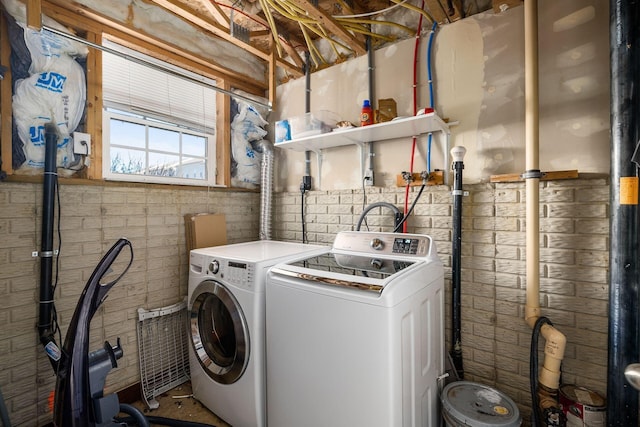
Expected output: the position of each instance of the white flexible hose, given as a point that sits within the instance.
(266, 189)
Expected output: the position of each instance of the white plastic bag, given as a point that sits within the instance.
(56, 96)
(46, 48)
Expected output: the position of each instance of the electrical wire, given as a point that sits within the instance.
(54, 312)
(375, 12)
(302, 217)
(420, 9)
(350, 23)
(254, 19)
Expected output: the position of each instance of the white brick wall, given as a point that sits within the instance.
(92, 219)
(574, 256)
(574, 231)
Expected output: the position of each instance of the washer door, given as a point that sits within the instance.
(219, 332)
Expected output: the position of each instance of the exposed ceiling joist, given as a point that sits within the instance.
(190, 15)
(216, 11)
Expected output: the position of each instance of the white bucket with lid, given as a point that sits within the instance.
(468, 404)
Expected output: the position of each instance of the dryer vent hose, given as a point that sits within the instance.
(266, 189)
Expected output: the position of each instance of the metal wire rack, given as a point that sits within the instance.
(163, 347)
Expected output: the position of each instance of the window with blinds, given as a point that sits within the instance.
(159, 121)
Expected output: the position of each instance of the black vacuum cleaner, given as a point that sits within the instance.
(79, 397)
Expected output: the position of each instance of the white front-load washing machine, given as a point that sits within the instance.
(226, 303)
(355, 336)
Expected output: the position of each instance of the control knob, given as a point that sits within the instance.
(214, 266)
(376, 244)
(376, 263)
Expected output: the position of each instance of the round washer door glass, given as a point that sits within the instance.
(219, 332)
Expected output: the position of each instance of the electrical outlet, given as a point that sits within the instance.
(82, 143)
(368, 177)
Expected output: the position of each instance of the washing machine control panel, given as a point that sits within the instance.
(233, 272)
(380, 243)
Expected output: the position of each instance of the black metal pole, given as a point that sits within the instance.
(622, 399)
(456, 262)
(305, 185)
(45, 322)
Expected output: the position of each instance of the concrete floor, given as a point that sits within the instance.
(178, 403)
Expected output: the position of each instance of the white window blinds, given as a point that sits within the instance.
(137, 88)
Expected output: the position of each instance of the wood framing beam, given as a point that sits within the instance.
(272, 76)
(293, 54)
(262, 34)
(76, 15)
(223, 136)
(267, 32)
(546, 176)
(438, 12)
(356, 42)
(34, 14)
(93, 123)
(191, 16)
(216, 12)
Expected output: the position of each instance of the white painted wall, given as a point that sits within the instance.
(479, 81)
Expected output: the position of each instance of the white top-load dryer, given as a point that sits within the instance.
(355, 337)
(227, 326)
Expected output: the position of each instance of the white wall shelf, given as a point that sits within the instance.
(398, 128)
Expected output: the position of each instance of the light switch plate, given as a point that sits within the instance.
(82, 143)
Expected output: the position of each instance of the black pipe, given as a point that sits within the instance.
(306, 179)
(46, 327)
(305, 185)
(624, 346)
(456, 267)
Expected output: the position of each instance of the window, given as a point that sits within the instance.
(159, 121)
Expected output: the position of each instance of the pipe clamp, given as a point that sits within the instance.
(533, 173)
(44, 254)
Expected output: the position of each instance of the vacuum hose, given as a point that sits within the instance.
(150, 420)
(135, 413)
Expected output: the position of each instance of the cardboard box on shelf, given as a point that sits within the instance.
(204, 230)
(387, 110)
